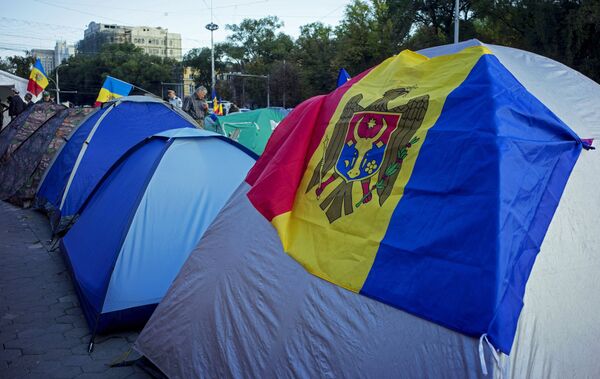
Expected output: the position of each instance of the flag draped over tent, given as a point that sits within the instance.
(38, 80)
(343, 77)
(426, 184)
(112, 89)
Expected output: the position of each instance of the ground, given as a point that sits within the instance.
(43, 333)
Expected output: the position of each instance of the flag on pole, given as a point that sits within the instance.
(343, 77)
(112, 89)
(217, 109)
(38, 80)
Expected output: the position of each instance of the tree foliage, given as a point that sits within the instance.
(85, 73)
(370, 32)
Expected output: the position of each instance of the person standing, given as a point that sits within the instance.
(174, 99)
(196, 105)
(28, 100)
(16, 104)
(46, 97)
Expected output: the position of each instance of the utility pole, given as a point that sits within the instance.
(212, 27)
(456, 13)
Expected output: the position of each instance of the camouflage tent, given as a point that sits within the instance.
(25, 125)
(32, 149)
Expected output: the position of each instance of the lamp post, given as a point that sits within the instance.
(212, 27)
(456, 13)
(56, 82)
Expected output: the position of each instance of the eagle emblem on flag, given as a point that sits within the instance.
(367, 146)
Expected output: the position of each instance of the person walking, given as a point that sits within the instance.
(196, 105)
(174, 99)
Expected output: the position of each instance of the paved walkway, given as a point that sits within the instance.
(43, 333)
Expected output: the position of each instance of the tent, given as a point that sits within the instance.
(95, 146)
(252, 129)
(141, 223)
(22, 168)
(243, 307)
(24, 125)
(9, 81)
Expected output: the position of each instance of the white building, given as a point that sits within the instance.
(63, 51)
(154, 41)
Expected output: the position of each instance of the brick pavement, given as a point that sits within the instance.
(43, 333)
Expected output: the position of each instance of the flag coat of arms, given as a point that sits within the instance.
(426, 184)
(112, 89)
(38, 80)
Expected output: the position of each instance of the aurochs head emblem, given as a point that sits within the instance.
(368, 145)
(366, 140)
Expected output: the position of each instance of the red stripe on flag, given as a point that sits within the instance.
(34, 88)
(277, 174)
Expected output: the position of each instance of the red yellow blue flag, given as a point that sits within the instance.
(38, 80)
(217, 108)
(112, 89)
(424, 183)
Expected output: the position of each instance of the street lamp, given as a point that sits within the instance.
(212, 27)
(56, 82)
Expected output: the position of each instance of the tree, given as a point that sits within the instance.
(200, 60)
(256, 47)
(18, 65)
(86, 72)
(314, 54)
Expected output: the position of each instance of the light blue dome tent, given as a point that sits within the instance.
(95, 146)
(140, 224)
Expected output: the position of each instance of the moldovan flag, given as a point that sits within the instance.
(112, 89)
(424, 183)
(217, 108)
(38, 80)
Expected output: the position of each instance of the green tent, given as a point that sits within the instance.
(252, 129)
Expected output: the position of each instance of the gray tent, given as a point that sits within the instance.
(241, 307)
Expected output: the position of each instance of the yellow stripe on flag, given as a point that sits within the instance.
(343, 251)
(38, 77)
(105, 96)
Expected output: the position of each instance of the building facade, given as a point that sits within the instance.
(153, 41)
(62, 52)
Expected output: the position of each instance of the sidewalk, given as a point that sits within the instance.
(43, 333)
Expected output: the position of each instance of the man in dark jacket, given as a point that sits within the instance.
(16, 104)
(196, 105)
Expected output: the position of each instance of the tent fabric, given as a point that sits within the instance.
(206, 324)
(143, 220)
(95, 146)
(22, 169)
(24, 125)
(252, 129)
(444, 136)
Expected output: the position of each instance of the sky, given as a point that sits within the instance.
(29, 24)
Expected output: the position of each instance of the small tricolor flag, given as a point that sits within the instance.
(217, 108)
(112, 89)
(424, 183)
(38, 80)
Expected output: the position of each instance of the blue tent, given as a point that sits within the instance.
(95, 146)
(144, 218)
